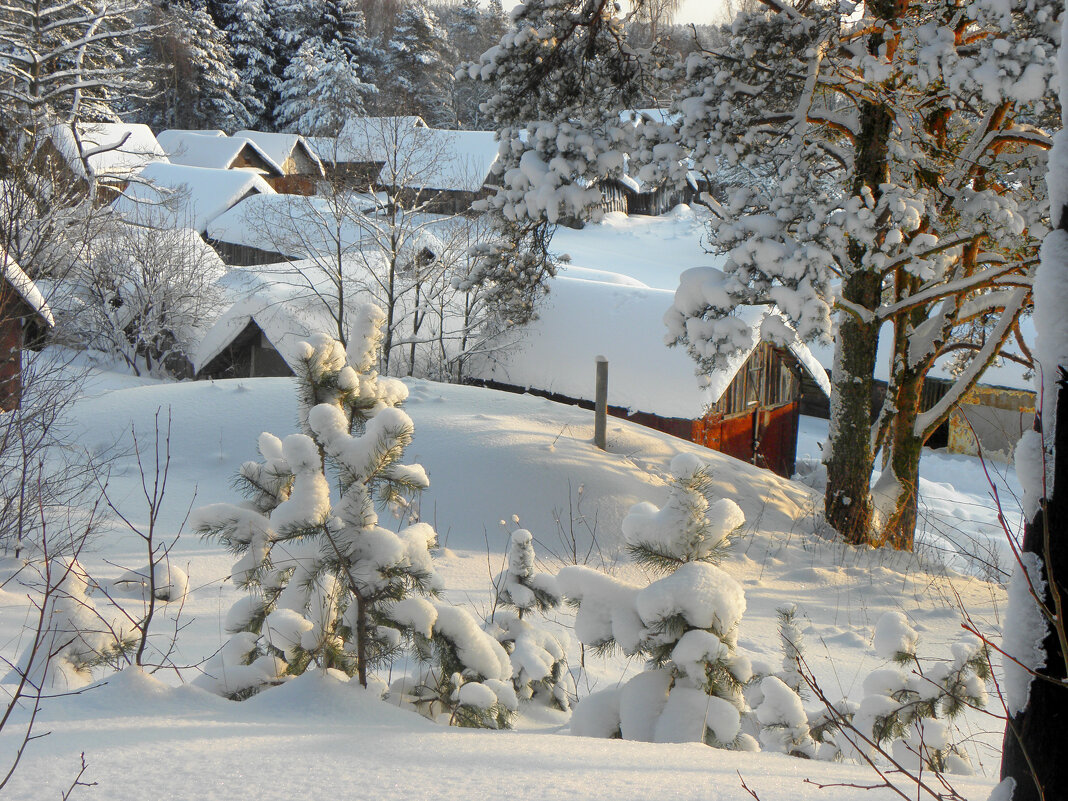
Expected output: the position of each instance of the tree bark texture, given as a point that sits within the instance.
(1033, 750)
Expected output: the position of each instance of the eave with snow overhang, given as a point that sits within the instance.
(291, 152)
(265, 229)
(218, 152)
(178, 196)
(748, 409)
(24, 315)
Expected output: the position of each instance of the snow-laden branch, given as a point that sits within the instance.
(928, 421)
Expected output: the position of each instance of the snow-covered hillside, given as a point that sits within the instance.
(490, 456)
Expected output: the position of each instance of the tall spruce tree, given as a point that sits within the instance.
(420, 64)
(249, 35)
(195, 82)
(321, 90)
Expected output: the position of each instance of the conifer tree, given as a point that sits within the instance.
(420, 56)
(195, 82)
(321, 90)
(250, 41)
(321, 572)
(538, 657)
(685, 623)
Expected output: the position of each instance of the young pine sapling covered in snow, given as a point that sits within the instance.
(539, 664)
(776, 698)
(464, 676)
(685, 623)
(72, 638)
(909, 709)
(320, 570)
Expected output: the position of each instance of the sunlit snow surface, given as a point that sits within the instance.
(489, 455)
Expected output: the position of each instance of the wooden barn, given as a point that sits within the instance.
(24, 315)
(630, 196)
(445, 172)
(748, 410)
(991, 417)
(301, 168)
(357, 154)
(108, 154)
(266, 229)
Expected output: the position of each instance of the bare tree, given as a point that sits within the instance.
(381, 229)
(145, 294)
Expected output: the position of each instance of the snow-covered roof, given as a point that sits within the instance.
(365, 139)
(115, 150)
(24, 286)
(286, 314)
(200, 131)
(295, 225)
(446, 160)
(583, 319)
(178, 196)
(279, 146)
(640, 115)
(216, 152)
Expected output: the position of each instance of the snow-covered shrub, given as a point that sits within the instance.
(320, 569)
(465, 674)
(73, 638)
(908, 709)
(685, 623)
(906, 712)
(539, 659)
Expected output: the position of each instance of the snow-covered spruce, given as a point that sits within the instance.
(776, 698)
(320, 569)
(685, 624)
(539, 661)
(519, 586)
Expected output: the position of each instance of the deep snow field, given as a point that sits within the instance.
(490, 455)
(493, 458)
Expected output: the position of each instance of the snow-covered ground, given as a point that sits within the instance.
(490, 456)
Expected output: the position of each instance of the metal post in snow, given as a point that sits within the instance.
(600, 412)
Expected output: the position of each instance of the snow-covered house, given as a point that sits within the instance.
(631, 196)
(261, 334)
(748, 410)
(179, 196)
(357, 154)
(265, 229)
(300, 165)
(990, 418)
(108, 154)
(628, 193)
(23, 315)
(445, 172)
(218, 152)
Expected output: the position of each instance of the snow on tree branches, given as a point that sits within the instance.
(685, 624)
